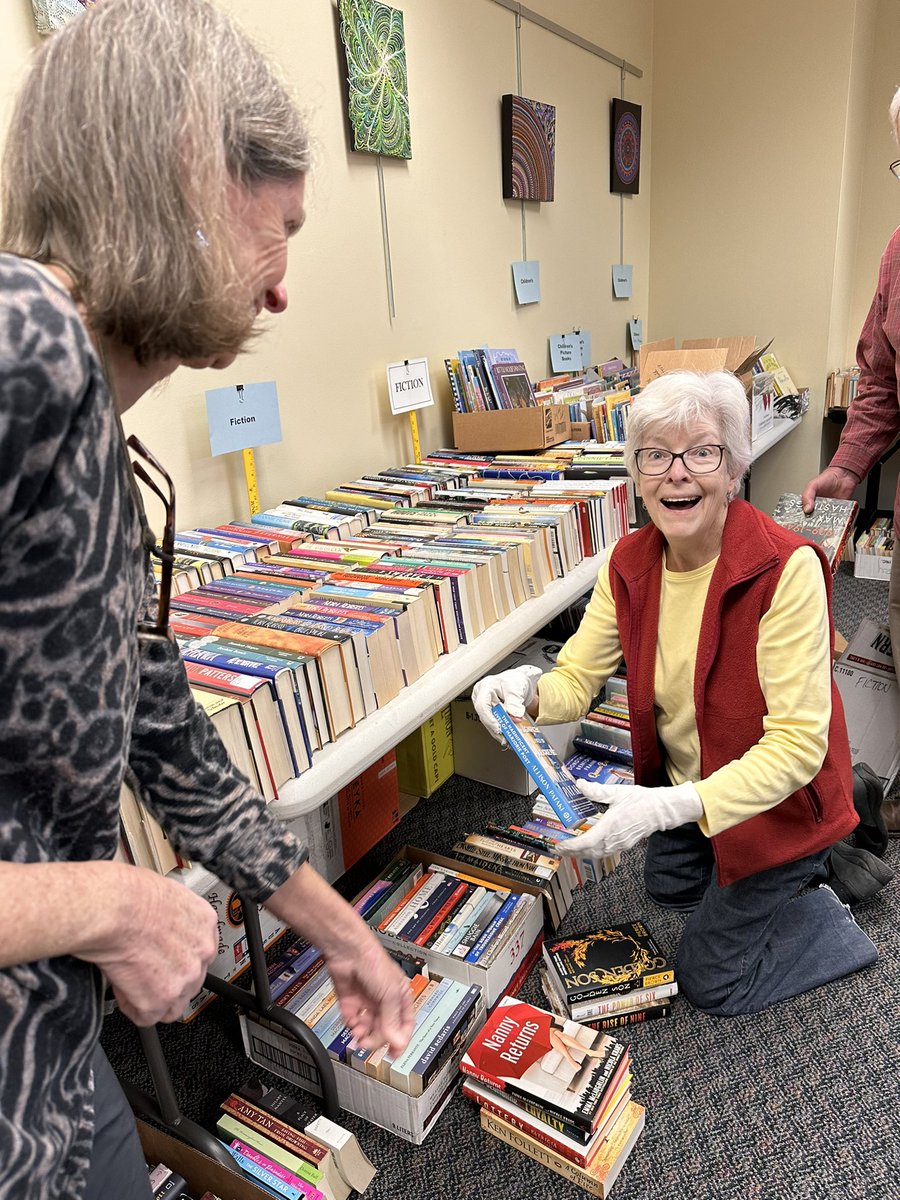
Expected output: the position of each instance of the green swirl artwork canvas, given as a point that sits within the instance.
(372, 34)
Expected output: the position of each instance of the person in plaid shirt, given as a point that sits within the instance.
(873, 419)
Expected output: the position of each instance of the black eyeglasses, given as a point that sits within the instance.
(165, 551)
(894, 168)
(699, 460)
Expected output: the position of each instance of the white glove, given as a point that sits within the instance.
(514, 689)
(633, 814)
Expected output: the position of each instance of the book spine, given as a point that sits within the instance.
(532, 1129)
(459, 923)
(512, 927)
(262, 1173)
(457, 895)
(492, 929)
(636, 1017)
(541, 1153)
(445, 1041)
(549, 1116)
(621, 1002)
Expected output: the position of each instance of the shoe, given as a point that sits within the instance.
(868, 796)
(855, 875)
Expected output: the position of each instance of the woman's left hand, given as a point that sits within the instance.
(633, 814)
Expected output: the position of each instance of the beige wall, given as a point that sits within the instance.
(765, 203)
(453, 237)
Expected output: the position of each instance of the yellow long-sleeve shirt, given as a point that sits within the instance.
(793, 665)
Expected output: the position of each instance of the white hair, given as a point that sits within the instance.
(894, 111)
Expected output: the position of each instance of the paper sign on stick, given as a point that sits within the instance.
(242, 416)
(409, 386)
(565, 352)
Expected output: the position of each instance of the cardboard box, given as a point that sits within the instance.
(580, 431)
(867, 681)
(425, 757)
(369, 808)
(234, 954)
(660, 362)
(840, 645)
(409, 1117)
(511, 429)
(201, 1173)
(493, 978)
(320, 830)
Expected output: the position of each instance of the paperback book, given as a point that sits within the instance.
(554, 1066)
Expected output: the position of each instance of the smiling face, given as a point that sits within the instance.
(689, 510)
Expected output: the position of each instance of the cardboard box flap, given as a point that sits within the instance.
(661, 362)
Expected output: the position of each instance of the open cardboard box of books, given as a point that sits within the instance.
(409, 1117)
(511, 428)
(202, 1174)
(522, 951)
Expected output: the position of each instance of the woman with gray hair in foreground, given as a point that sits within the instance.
(742, 765)
(153, 174)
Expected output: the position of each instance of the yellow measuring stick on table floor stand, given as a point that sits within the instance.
(250, 475)
(414, 427)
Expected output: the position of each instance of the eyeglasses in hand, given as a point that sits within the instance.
(165, 551)
(699, 460)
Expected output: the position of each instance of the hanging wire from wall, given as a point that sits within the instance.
(386, 239)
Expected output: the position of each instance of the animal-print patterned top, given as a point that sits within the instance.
(80, 700)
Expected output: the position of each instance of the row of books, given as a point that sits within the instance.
(296, 640)
(556, 1091)
(487, 379)
(878, 539)
(269, 1138)
(446, 1009)
(840, 388)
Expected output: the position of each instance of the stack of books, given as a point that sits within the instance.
(609, 976)
(264, 1132)
(603, 747)
(556, 1091)
(487, 379)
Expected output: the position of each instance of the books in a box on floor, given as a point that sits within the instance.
(599, 1176)
(559, 1070)
(606, 961)
(829, 525)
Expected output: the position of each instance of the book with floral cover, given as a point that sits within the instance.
(828, 525)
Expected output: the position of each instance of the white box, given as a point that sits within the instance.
(409, 1117)
(867, 681)
(476, 755)
(234, 956)
(872, 566)
(320, 830)
(494, 978)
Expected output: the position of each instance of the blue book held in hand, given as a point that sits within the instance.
(542, 763)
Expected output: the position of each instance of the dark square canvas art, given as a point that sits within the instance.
(625, 147)
(528, 139)
(378, 98)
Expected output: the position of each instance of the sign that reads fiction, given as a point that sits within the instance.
(408, 385)
(242, 416)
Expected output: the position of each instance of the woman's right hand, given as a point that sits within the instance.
(155, 946)
(515, 689)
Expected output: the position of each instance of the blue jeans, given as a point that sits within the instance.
(755, 942)
(117, 1160)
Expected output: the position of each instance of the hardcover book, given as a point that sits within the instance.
(828, 525)
(606, 961)
(558, 1066)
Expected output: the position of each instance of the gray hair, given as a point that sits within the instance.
(680, 399)
(130, 127)
(894, 112)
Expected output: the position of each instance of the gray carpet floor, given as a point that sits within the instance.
(797, 1103)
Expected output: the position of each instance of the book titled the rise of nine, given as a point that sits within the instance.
(549, 1065)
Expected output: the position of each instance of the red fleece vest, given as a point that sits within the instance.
(728, 699)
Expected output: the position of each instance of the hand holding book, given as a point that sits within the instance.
(633, 814)
(515, 689)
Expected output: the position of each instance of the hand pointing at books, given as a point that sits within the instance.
(633, 814)
(515, 689)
